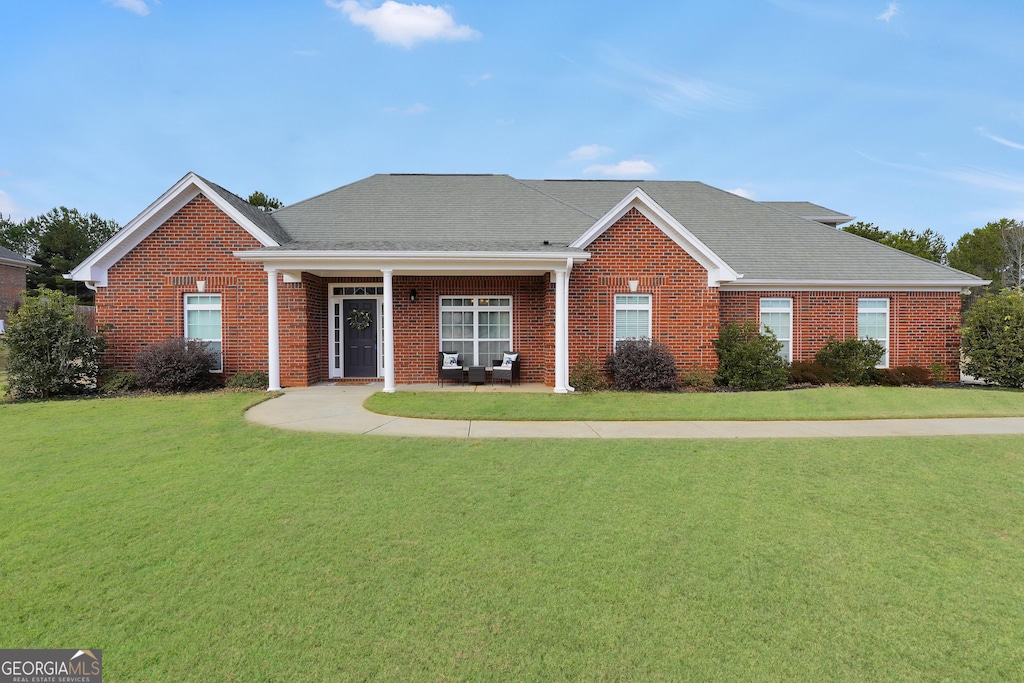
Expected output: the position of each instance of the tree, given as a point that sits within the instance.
(264, 202)
(21, 237)
(52, 351)
(993, 338)
(983, 252)
(1012, 234)
(66, 238)
(927, 244)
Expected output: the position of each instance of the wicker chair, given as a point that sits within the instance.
(510, 374)
(449, 373)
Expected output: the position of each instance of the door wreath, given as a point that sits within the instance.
(359, 319)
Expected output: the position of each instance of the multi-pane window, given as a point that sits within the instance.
(479, 329)
(202, 322)
(777, 317)
(873, 323)
(632, 316)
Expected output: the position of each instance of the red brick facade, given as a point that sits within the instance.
(143, 303)
(12, 284)
(684, 310)
(923, 326)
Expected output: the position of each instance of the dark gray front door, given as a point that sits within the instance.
(360, 344)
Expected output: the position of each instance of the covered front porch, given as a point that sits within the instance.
(385, 318)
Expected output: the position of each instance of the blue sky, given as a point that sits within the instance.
(907, 115)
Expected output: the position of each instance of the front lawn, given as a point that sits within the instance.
(825, 403)
(189, 545)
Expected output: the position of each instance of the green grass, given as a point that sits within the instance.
(191, 546)
(828, 403)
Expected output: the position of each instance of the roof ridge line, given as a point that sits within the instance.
(556, 199)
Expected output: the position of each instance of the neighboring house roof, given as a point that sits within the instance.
(743, 243)
(10, 258)
(812, 212)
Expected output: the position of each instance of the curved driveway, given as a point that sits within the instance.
(339, 409)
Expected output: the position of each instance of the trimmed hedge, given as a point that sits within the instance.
(749, 359)
(850, 361)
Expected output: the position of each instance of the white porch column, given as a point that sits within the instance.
(389, 332)
(273, 334)
(561, 332)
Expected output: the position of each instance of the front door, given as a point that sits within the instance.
(359, 321)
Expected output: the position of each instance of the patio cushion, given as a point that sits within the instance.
(451, 360)
(507, 359)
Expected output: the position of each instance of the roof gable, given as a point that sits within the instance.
(263, 228)
(10, 258)
(718, 270)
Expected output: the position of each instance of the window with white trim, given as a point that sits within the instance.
(632, 317)
(777, 317)
(479, 329)
(202, 322)
(873, 323)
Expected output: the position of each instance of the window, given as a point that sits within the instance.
(873, 323)
(632, 316)
(777, 317)
(202, 322)
(479, 329)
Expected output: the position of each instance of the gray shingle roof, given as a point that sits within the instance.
(13, 258)
(812, 212)
(496, 212)
(263, 220)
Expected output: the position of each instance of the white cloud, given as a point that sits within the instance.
(673, 92)
(891, 11)
(1001, 141)
(308, 53)
(481, 78)
(589, 152)
(414, 110)
(405, 25)
(740, 192)
(637, 168)
(134, 6)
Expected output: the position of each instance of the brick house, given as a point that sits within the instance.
(481, 264)
(13, 272)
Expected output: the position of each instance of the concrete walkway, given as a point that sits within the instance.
(340, 409)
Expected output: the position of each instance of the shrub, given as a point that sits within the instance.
(697, 378)
(586, 376)
(850, 361)
(993, 338)
(256, 379)
(938, 372)
(748, 359)
(51, 349)
(642, 365)
(119, 381)
(174, 365)
(802, 372)
(902, 376)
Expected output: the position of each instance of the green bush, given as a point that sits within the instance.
(938, 372)
(257, 379)
(749, 359)
(993, 339)
(119, 381)
(850, 361)
(51, 349)
(174, 365)
(642, 365)
(697, 378)
(586, 376)
(802, 372)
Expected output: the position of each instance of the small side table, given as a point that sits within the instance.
(477, 374)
